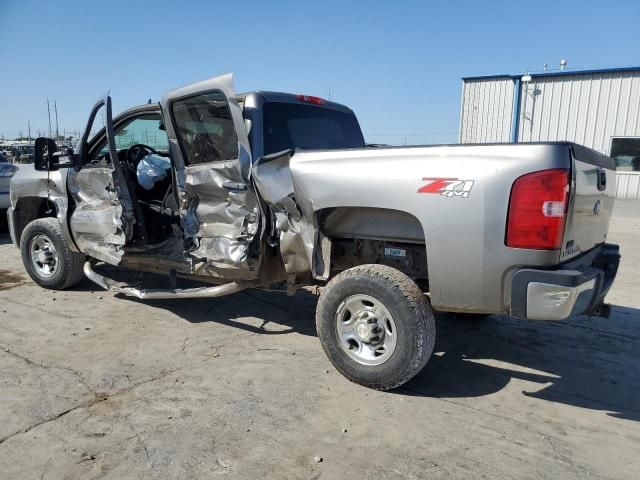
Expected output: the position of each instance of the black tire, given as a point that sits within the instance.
(414, 324)
(68, 272)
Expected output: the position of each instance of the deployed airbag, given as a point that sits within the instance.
(152, 169)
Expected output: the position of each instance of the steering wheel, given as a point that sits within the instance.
(135, 153)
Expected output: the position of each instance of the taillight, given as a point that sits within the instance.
(537, 210)
(311, 99)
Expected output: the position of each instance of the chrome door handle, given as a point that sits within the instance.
(235, 186)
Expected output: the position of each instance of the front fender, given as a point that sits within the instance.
(28, 184)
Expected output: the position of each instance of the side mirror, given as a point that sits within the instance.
(48, 157)
(44, 148)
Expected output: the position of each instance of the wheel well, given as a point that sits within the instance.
(363, 235)
(372, 223)
(31, 208)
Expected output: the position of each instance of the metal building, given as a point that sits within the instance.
(596, 108)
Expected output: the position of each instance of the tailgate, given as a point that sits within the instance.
(592, 195)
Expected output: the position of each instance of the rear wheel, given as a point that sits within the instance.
(47, 258)
(376, 326)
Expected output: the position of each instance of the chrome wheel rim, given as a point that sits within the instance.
(44, 256)
(366, 330)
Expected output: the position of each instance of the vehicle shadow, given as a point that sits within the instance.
(5, 239)
(278, 313)
(586, 362)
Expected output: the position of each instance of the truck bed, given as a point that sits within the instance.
(470, 267)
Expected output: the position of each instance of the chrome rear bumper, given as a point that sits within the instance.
(579, 287)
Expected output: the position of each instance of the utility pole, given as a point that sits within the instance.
(49, 115)
(55, 107)
(29, 129)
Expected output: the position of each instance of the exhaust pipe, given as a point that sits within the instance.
(199, 292)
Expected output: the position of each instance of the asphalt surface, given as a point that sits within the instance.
(96, 386)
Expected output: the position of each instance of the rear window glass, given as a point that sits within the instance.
(289, 125)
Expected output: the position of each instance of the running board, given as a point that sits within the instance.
(199, 292)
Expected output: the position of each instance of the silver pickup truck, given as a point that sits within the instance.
(246, 191)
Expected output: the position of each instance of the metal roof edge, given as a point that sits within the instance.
(487, 77)
(557, 73)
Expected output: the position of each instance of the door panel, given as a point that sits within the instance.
(219, 209)
(103, 218)
(96, 222)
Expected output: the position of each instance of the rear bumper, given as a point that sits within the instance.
(577, 287)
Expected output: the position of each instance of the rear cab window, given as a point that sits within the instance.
(308, 127)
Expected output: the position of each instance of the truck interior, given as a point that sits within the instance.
(143, 153)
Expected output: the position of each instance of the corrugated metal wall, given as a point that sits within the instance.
(587, 109)
(487, 110)
(628, 184)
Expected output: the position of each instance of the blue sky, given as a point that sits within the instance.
(397, 63)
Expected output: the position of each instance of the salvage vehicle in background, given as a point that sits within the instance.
(245, 191)
(20, 152)
(7, 169)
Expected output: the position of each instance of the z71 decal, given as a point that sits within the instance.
(449, 187)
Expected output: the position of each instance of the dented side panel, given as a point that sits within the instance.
(96, 222)
(219, 209)
(219, 223)
(103, 218)
(304, 250)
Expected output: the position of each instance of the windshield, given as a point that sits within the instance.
(289, 125)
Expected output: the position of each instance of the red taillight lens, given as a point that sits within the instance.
(310, 99)
(537, 210)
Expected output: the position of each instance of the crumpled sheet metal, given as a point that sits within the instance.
(220, 227)
(297, 235)
(219, 224)
(96, 222)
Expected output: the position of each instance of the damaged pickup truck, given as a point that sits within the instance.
(246, 191)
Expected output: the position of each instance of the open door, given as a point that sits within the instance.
(103, 218)
(219, 209)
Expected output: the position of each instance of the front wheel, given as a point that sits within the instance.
(46, 256)
(376, 326)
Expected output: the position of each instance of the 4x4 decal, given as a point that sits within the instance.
(449, 187)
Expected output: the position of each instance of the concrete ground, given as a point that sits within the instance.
(94, 386)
